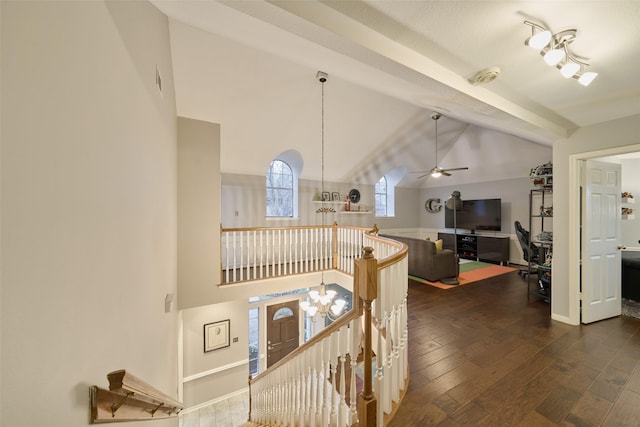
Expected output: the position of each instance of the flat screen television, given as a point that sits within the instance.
(480, 215)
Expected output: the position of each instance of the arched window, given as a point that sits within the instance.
(381, 197)
(280, 190)
(386, 192)
(282, 313)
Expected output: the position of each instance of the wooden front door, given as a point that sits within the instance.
(282, 330)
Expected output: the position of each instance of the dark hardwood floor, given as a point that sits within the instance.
(482, 355)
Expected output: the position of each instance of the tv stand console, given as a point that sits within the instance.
(478, 247)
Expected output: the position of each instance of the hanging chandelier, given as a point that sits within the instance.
(322, 303)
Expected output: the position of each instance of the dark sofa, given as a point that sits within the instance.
(631, 275)
(426, 262)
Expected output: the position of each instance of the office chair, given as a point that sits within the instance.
(530, 251)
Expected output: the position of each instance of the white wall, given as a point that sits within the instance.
(233, 377)
(88, 206)
(631, 183)
(515, 207)
(244, 201)
(198, 212)
(597, 138)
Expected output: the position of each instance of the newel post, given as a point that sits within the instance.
(367, 282)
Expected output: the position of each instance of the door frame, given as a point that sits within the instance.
(575, 181)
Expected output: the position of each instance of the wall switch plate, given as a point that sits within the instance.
(235, 339)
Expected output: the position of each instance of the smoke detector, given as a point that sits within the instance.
(485, 76)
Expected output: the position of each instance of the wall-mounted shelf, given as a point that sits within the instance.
(354, 212)
(627, 213)
(130, 399)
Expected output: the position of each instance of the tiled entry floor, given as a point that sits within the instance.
(231, 412)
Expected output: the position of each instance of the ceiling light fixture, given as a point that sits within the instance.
(321, 303)
(554, 48)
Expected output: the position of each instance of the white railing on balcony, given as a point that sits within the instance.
(316, 384)
(390, 314)
(262, 253)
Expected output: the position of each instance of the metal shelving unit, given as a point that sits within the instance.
(539, 213)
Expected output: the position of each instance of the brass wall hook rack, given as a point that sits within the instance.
(130, 399)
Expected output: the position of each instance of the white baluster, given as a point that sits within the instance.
(308, 388)
(320, 384)
(314, 387)
(339, 378)
(326, 375)
(296, 252)
(379, 386)
(335, 396)
(354, 352)
(307, 255)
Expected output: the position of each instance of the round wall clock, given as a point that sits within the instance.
(354, 196)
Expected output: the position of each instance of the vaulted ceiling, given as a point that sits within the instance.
(250, 65)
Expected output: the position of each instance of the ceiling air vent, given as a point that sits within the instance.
(485, 76)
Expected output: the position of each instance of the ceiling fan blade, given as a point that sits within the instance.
(445, 173)
(421, 172)
(422, 176)
(455, 169)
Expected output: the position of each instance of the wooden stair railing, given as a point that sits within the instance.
(130, 399)
(302, 388)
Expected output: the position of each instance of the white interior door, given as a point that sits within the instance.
(601, 239)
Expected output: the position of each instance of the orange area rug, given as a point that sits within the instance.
(477, 271)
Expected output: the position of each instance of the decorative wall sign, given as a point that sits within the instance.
(429, 205)
(216, 335)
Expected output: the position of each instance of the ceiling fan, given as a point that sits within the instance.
(436, 172)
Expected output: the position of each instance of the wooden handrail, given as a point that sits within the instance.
(298, 378)
(295, 227)
(355, 312)
(356, 309)
(391, 259)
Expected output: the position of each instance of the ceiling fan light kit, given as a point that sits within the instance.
(437, 172)
(554, 48)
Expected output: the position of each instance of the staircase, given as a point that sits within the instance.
(316, 385)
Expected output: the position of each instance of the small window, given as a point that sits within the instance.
(381, 197)
(254, 341)
(279, 190)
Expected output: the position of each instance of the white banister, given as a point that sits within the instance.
(309, 386)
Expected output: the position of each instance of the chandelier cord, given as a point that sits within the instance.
(322, 303)
(436, 142)
(322, 151)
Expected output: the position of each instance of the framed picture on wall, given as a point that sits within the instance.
(217, 335)
(335, 197)
(326, 196)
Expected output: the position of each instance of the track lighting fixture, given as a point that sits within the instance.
(554, 48)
